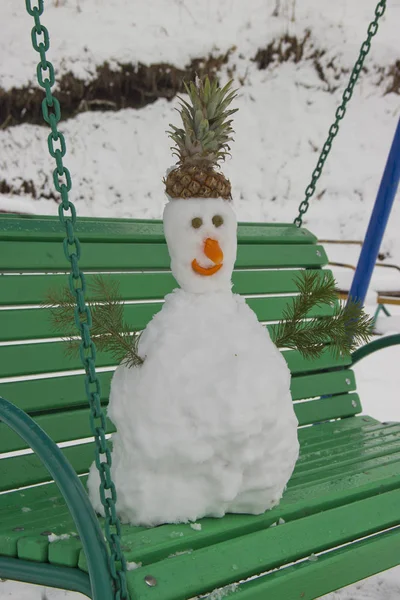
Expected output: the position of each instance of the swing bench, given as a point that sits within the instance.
(339, 519)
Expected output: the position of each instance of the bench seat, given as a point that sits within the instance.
(339, 520)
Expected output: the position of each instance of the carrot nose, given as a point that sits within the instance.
(213, 251)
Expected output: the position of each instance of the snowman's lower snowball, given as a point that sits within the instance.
(206, 426)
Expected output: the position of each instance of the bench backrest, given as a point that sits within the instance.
(37, 376)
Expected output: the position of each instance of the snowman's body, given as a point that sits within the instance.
(206, 425)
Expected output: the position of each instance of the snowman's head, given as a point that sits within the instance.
(201, 238)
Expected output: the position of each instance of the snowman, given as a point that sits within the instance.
(205, 426)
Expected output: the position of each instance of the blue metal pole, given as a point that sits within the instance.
(378, 221)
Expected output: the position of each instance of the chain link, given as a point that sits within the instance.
(83, 320)
(340, 112)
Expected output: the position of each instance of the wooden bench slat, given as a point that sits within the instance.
(49, 357)
(338, 471)
(55, 393)
(308, 436)
(347, 454)
(74, 424)
(82, 456)
(345, 427)
(47, 495)
(189, 575)
(323, 409)
(41, 228)
(49, 256)
(25, 470)
(69, 425)
(32, 289)
(61, 427)
(330, 445)
(35, 323)
(331, 571)
(309, 386)
(33, 528)
(156, 544)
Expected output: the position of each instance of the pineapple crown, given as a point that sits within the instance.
(207, 130)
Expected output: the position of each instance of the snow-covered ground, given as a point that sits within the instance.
(117, 159)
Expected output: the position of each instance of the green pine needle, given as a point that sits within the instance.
(109, 331)
(344, 331)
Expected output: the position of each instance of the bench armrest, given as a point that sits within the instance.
(383, 342)
(73, 492)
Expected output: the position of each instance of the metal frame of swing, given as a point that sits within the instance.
(53, 459)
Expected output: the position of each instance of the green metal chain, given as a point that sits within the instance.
(340, 112)
(72, 249)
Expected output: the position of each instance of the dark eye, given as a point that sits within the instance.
(197, 222)
(217, 220)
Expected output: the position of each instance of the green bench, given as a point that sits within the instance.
(339, 519)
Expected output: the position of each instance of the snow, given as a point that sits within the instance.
(388, 325)
(220, 593)
(196, 526)
(132, 566)
(208, 440)
(117, 159)
(56, 538)
(197, 435)
(185, 243)
(189, 551)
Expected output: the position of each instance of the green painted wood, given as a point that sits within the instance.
(155, 543)
(35, 323)
(313, 411)
(65, 553)
(49, 357)
(332, 469)
(308, 436)
(28, 470)
(297, 503)
(347, 454)
(353, 438)
(39, 508)
(33, 548)
(36, 528)
(68, 391)
(309, 386)
(33, 289)
(42, 228)
(54, 393)
(205, 569)
(338, 471)
(49, 256)
(15, 501)
(298, 364)
(152, 545)
(74, 424)
(337, 569)
(60, 426)
(344, 427)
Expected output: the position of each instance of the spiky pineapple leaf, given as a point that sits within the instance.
(206, 110)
